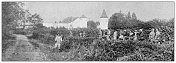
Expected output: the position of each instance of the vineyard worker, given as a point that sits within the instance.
(80, 34)
(100, 34)
(84, 34)
(157, 34)
(58, 40)
(135, 35)
(152, 35)
(108, 35)
(131, 35)
(115, 35)
(126, 34)
(140, 34)
(121, 37)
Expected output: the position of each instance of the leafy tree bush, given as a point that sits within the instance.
(11, 13)
(130, 51)
(91, 24)
(20, 31)
(171, 23)
(122, 21)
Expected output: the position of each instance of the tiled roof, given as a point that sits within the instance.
(83, 16)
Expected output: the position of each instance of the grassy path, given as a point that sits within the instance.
(23, 50)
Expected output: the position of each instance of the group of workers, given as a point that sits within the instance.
(127, 34)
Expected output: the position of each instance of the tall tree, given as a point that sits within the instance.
(122, 21)
(117, 21)
(134, 16)
(156, 22)
(11, 13)
(35, 19)
(128, 15)
(171, 23)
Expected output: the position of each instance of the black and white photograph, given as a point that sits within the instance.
(87, 31)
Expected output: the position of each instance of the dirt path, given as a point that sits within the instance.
(23, 50)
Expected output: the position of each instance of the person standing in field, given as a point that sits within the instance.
(58, 40)
(135, 35)
(157, 34)
(106, 34)
(84, 34)
(100, 34)
(80, 34)
(152, 35)
(121, 37)
(115, 35)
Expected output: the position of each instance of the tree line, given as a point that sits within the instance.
(128, 21)
(12, 15)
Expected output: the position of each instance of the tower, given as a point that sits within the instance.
(103, 21)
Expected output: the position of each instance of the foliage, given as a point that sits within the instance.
(93, 49)
(111, 50)
(35, 19)
(155, 22)
(38, 26)
(132, 51)
(91, 24)
(122, 21)
(144, 25)
(20, 31)
(116, 20)
(47, 35)
(171, 23)
(11, 13)
(134, 17)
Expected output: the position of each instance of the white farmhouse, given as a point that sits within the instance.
(79, 22)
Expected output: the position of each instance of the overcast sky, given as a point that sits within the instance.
(57, 11)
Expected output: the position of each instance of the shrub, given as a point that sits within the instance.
(130, 51)
(20, 31)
